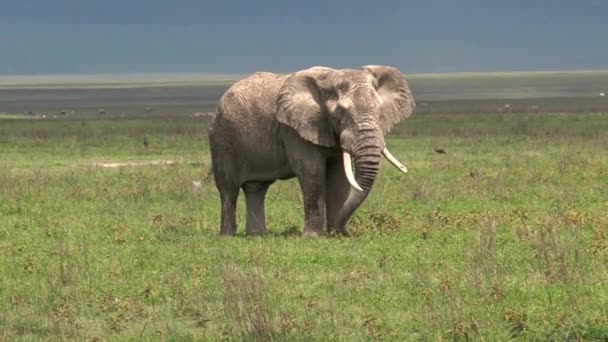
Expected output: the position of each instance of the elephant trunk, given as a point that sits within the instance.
(367, 152)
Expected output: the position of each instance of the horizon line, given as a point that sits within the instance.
(224, 74)
(144, 79)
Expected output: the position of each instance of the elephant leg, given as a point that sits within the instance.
(228, 198)
(313, 189)
(255, 194)
(314, 209)
(307, 162)
(337, 189)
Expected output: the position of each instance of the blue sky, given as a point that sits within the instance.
(109, 36)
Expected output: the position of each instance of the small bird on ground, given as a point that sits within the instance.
(146, 142)
(439, 150)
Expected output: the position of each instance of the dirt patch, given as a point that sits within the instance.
(141, 163)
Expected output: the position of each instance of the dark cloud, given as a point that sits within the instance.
(40, 36)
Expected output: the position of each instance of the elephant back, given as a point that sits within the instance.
(254, 95)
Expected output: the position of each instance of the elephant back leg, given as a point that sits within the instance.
(228, 197)
(225, 169)
(229, 193)
(337, 189)
(224, 174)
(255, 194)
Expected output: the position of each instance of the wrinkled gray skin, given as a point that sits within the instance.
(272, 126)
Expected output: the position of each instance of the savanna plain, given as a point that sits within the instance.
(503, 236)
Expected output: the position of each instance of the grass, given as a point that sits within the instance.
(502, 237)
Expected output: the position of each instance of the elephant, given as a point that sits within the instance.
(313, 124)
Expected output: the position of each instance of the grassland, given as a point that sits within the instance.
(181, 94)
(503, 237)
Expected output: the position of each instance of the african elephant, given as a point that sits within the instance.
(306, 124)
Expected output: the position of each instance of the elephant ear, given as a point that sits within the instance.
(300, 105)
(397, 100)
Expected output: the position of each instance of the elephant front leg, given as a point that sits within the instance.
(337, 189)
(308, 164)
(314, 205)
(311, 175)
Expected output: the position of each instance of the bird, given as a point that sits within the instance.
(439, 150)
(146, 142)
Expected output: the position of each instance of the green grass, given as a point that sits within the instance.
(503, 237)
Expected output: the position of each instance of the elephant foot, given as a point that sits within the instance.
(339, 233)
(227, 233)
(334, 232)
(344, 233)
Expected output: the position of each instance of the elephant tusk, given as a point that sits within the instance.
(348, 169)
(394, 160)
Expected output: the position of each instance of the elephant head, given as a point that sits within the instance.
(351, 110)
